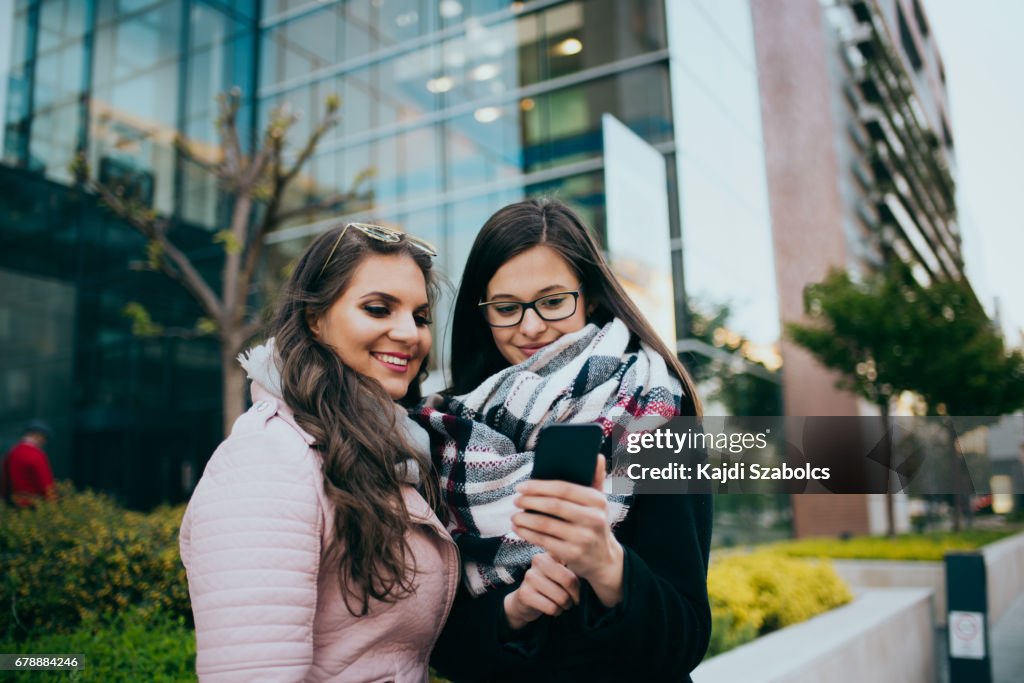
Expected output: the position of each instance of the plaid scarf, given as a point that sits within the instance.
(482, 443)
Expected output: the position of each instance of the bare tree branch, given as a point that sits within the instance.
(257, 182)
(228, 130)
(329, 121)
(186, 151)
(266, 162)
(327, 204)
(193, 281)
(155, 229)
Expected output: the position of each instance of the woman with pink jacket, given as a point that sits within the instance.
(311, 544)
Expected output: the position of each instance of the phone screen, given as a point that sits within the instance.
(568, 452)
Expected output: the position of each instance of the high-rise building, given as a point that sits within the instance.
(860, 158)
(455, 107)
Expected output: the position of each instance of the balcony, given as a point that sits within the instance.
(861, 10)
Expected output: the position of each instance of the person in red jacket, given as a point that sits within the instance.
(27, 476)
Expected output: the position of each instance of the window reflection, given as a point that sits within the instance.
(107, 10)
(59, 75)
(60, 21)
(486, 58)
(399, 20)
(564, 126)
(484, 146)
(584, 192)
(301, 47)
(724, 203)
(137, 44)
(54, 138)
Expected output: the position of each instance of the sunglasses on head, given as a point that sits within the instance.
(380, 233)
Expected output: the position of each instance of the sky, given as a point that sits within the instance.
(981, 46)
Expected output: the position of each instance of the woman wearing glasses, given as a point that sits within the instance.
(311, 545)
(601, 586)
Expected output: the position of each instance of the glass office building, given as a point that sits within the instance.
(450, 109)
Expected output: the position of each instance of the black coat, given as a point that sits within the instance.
(659, 632)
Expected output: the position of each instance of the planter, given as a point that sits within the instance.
(883, 635)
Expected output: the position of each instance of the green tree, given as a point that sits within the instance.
(970, 372)
(255, 183)
(865, 332)
(974, 372)
(887, 334)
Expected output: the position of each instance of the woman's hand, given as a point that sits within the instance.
(548, 588)
(576, 533)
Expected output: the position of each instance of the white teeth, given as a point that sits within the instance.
(394, 360)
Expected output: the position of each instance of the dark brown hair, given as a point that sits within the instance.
(354, 422)
(511, 231)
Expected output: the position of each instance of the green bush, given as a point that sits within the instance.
(141, 645)
(82, 557)
(755, 593)
(915, 547)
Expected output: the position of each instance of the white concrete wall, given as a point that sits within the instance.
(883, 635)
(1004, 571)
(861, 574)
(1004, 568)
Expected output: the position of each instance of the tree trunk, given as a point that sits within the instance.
(232, 385)
(890, 502)
(957, 479)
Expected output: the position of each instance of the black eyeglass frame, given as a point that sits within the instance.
(525, 306)
(381, 233)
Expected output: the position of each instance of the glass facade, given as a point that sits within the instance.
(114, 80)
(727, 252)
(459, 108)
(450, 109)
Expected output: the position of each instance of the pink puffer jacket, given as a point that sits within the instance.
(266, 607)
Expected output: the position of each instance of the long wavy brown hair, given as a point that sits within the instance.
(354, 422)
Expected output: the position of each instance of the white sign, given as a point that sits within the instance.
(967, 635)
(636, 200)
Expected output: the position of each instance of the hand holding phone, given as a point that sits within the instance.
(565, 512)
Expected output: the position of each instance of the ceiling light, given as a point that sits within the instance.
(569, 46)
(450, 8)
(485, 72)
(487, 114)
(440, 84)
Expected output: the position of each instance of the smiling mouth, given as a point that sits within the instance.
(530, 350)
(394, 362)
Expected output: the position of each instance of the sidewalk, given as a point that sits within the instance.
(1006, 642)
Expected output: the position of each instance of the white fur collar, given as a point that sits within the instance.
(260, 362)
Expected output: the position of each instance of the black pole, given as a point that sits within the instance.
(970, 653)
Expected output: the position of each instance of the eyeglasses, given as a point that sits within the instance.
(381, 234)
(550, 307)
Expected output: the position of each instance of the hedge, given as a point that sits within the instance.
(755, 593)
(930, 546)
(83, 557)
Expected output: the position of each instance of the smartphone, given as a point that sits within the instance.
(567, 452)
